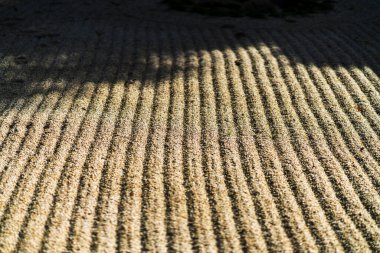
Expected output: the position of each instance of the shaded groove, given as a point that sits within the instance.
(200, 221)
(10, 179)
(363, 158)
(352, 92)
(361, 75)
(153, 209)
(129, 222)
(306, 196)
(84, 207)
(369, 163)
(269, 219)
(216, 182)
(21, 105)
(46, 146)
(125, 127)
(294, 226)
(313, 72)
(104, 225)
(357, 125)
(304, 79)
(370, 201)
(120, 228)
(308, 126)
(21, 124)
(44, 194)
(242, 205)
(19, 178)
(176, 216)
(68, 185)
(356, 175)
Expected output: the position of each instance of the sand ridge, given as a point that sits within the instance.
(128, 127)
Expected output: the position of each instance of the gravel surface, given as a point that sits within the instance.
(125, 126)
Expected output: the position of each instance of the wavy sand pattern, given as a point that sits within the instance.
(128, 127)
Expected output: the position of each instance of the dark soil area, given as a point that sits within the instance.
(238, 8)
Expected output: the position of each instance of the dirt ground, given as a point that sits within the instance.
(128, 127)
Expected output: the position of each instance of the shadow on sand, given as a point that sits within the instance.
(71, 42)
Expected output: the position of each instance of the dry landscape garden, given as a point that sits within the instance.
(189, 126)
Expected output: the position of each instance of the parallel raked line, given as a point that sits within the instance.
(293, 155)
(16, 135)
(10, 115)
(360, 181)
(351, 59)
(299, 103)
(153, 225)
(314, 72)
(362, 155)
(34, 98)
(368, 48)
(66, 129)
(251, 236)
(301, 123)
(129, 220)
(217, 183)
(154, 138)
(64, 198)
(313, 129)
(331, 89)
(84, 208)
(13, 178)
(349, 92)
(257, 118)
(281, 181)
(10, 175)
(51, 141)
(48, 143)
(358, 178)
(36, 85)
(371, 137)
(176, 216)
(28, 146)
(199, 211)
(104, 232)
(266, 210)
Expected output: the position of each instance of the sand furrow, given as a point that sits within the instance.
(304, 157)
(296, 228)
(84, 210)
(199, 210)
(12, 117)
(354, 123)
(129, 221)
(126, 126)
(35, 130)
(243, 207)
(66, 193)
(105, 223)
(342, 182)
(352, 89)
(357, 176)
(28, 184)
(216, 179)
(44, 194)
(310, 147)
(178, 232)
(153, 226)
(267, 212)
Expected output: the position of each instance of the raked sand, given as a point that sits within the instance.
(128, 127)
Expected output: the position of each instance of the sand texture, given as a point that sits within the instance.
(127, 127)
